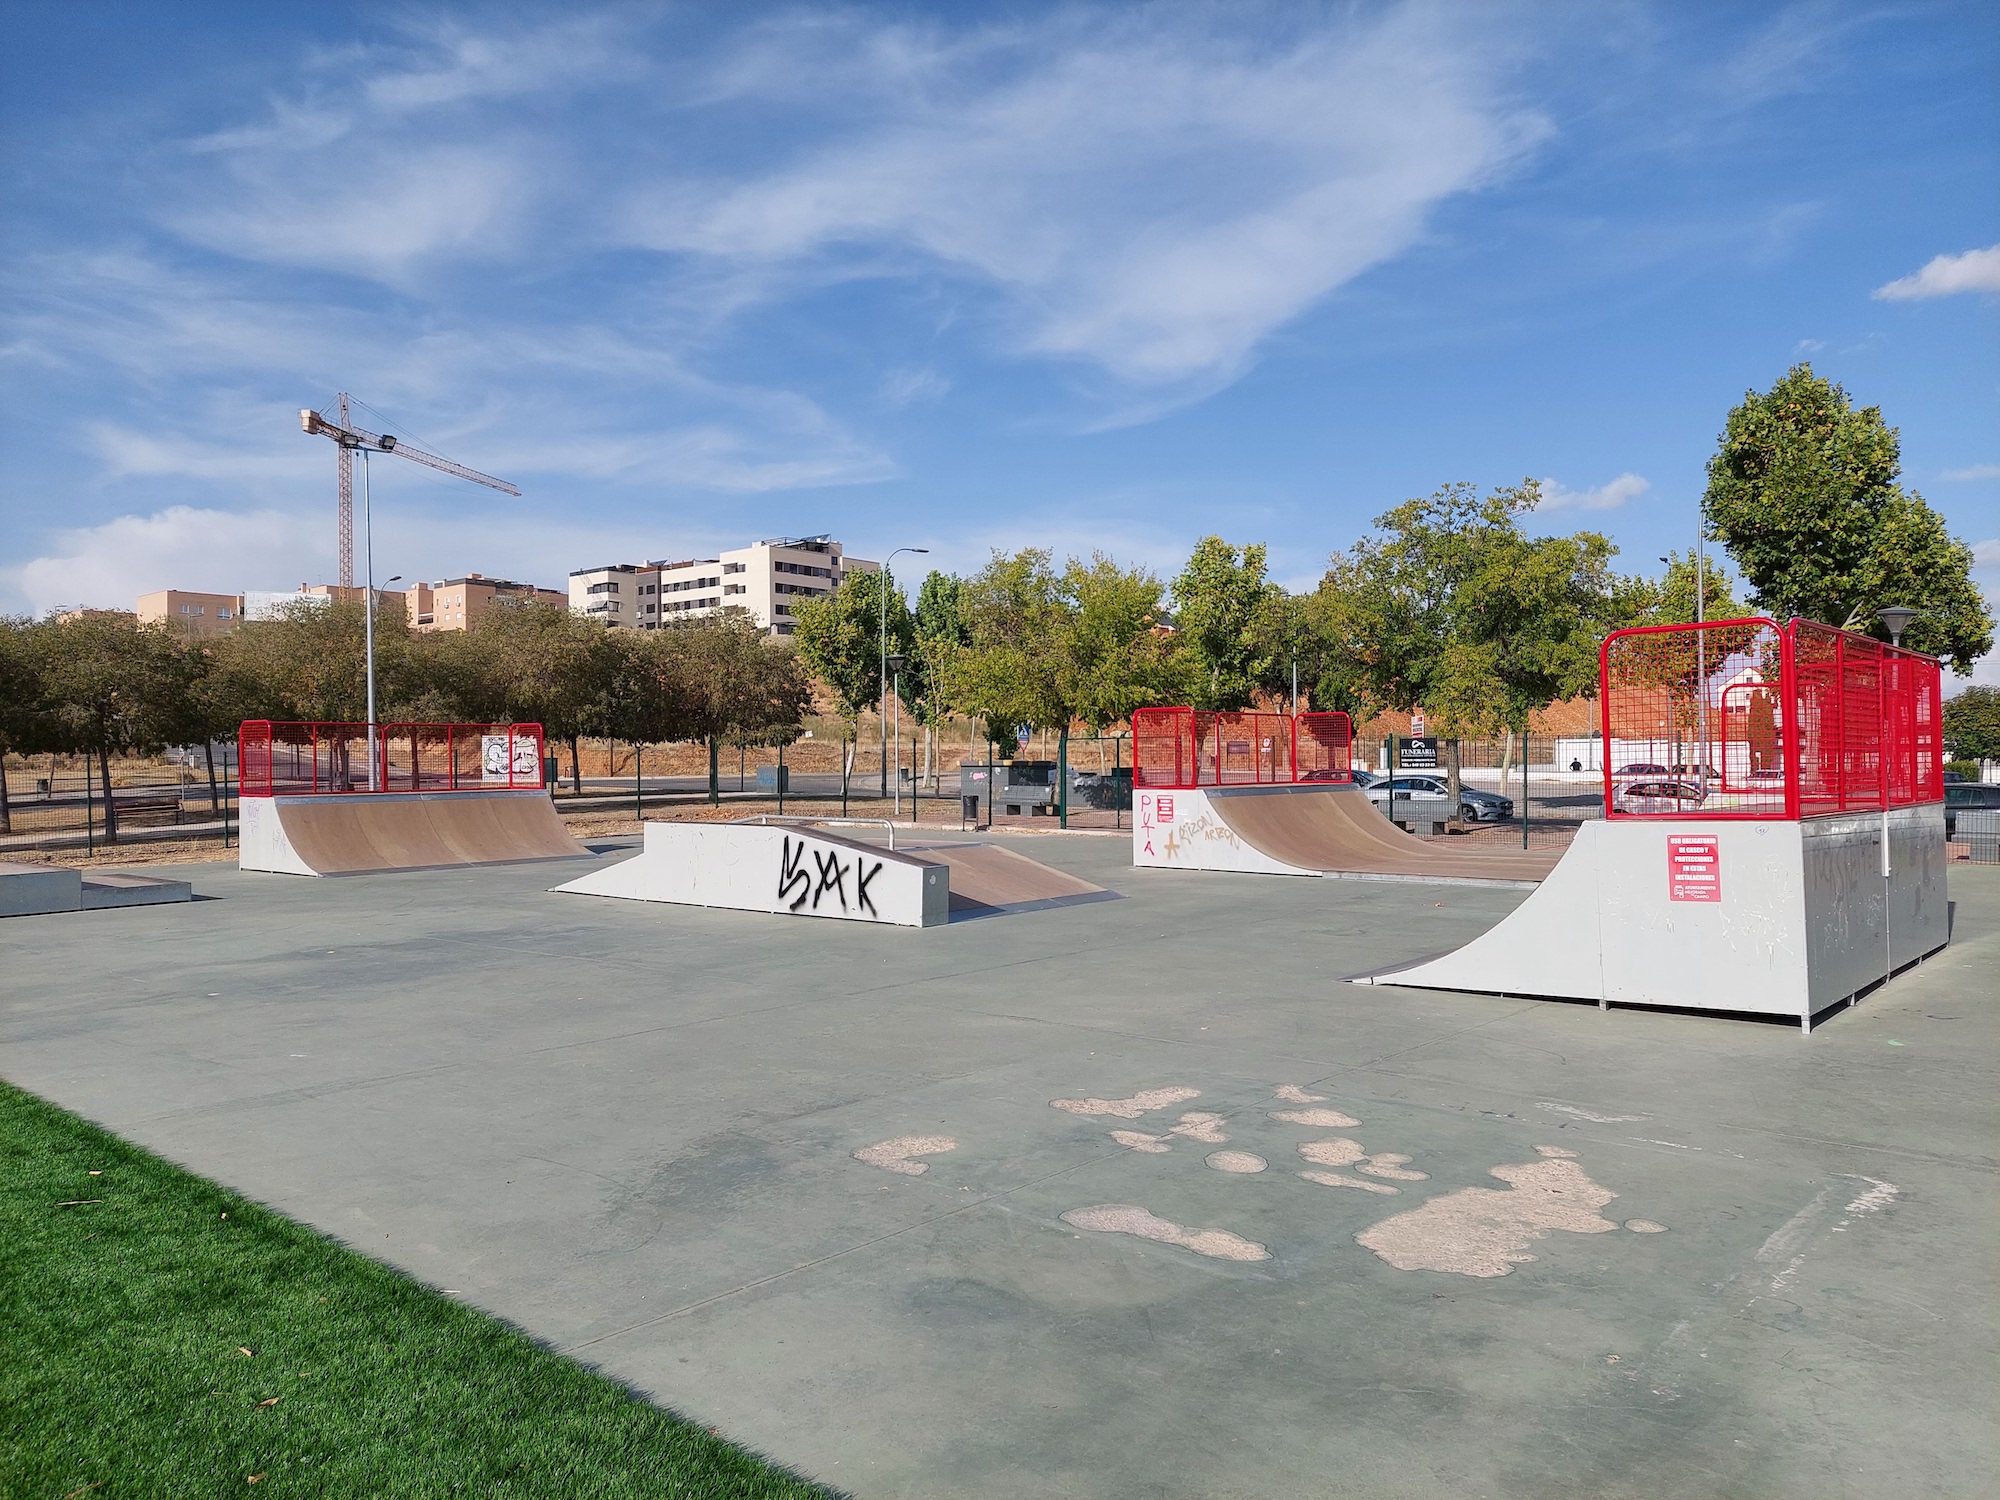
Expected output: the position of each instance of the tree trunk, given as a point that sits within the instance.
(714, 779)
(214, 797)
(847, 765)
(110, 802)
(6, 810)
(576, 764)
(1454, 763)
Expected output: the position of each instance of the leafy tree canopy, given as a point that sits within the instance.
(1802, 490)
(1972, 724)
(839, 637)
(1231, 624)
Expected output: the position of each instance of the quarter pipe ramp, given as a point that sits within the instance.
(361, 833)
(1757, 917)
(1308, 829)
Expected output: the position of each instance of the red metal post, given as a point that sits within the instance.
(1788, 679)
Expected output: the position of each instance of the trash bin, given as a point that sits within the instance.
(774, 778)
(968, 811)
(550, 775)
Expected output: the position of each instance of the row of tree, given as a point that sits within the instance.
(99, 683)
(1451, 605)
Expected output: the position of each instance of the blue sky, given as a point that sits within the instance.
(1095, 277)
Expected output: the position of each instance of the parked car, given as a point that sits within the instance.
(1426, 794)
(1958, 778)
(1658, 796)
(1362, 779)
(1102, 789)
(1970, 796)
(1642, 768)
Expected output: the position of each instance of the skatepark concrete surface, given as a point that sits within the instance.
(1119, 1199)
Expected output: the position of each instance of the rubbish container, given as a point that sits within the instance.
(968, 811)
(774, 778)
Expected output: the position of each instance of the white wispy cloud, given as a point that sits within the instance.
(1610, 495)
(908, 387)
(186, 547)
(1145, 193)
(1972, 471)
(1986, 554)
(1947, 276)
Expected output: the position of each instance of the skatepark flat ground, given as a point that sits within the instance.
(630, 1129)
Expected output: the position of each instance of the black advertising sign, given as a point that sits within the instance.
(1416, 752)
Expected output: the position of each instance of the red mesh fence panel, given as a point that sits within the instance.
(1323, 747)
(1816, 670)
(1163, 747)
(1694, 720)
(1242, 748)
(1749, 719)
(1861, 723)
(253, 758)
(317, 758)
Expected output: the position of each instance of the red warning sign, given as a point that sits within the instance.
(1694, 868)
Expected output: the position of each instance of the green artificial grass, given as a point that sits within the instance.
(161, 1336)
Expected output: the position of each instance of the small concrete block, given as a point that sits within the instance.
(28, 890)
(107, 888)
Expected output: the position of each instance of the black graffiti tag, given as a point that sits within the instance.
(861, 879)
(792, 872)
(832, 877)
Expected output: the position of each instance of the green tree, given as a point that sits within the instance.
(938, 629)
(1670, 600)
(220, 692)
(1452, 608)
(1972, 724)
(20, 701)
(1802, 490)
(1230, 622)
(109, 685)
(746, 687)
(539, 663)
(839, 638)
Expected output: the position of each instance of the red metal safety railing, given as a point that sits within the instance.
(289, 759)
(1323, 747)
(1753, 719)
(1185, 748)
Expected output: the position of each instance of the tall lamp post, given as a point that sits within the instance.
(896, 732)
(883, 706)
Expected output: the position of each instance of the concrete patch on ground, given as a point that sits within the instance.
(1318, 1119)
(1291, 1093)
(1388, 1164)
(1127, 1109)
(1125, 1218)
(1236, 1161)
(1196, 1125)
(1584, 1114)
(1341, 1179)
(1480, 1231)
(894, 1155)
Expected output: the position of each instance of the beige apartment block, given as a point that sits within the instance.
(200, 614)
(457, 603)
(765, 578)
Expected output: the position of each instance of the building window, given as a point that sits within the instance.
(222, 614)
(735, 567)
(603, 588)
(735, 588)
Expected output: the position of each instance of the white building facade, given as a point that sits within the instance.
(766, 578)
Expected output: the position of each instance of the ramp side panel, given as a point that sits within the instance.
(1548, 945)
(1745, 952)
(782, 871)
(263, 841)
(1182, 830)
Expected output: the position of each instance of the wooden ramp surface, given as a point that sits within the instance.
(1338, 831)
(987, 879)
(350, 835)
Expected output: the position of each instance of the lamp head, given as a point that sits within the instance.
(896, 660)
(1897, 618)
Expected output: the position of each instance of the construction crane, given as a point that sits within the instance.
(351, 438)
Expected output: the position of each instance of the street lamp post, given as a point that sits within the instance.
(883, 706)
(896, 730)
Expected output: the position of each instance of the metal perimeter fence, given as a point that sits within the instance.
(58, 801)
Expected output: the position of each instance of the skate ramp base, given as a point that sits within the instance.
(1755, 918)
(365, 833)
(1311, 830)
(779, 870)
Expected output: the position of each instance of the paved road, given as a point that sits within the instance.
(631, 1129)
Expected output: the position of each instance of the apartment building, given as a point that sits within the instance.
(457, 603)
(200, 614)
(263, 604)
(765, 578)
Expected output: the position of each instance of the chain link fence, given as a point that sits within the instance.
(59, 801)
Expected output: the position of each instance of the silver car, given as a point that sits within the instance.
(1429, 796)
